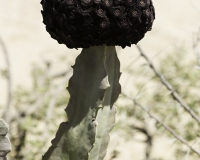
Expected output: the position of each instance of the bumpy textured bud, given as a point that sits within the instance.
(85, 23)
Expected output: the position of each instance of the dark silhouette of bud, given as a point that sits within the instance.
(85, 23)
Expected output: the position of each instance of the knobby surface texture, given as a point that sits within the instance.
(5, 146)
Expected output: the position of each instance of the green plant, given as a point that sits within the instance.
(5, 146)
(97, 26)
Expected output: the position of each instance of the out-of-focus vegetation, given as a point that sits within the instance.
(182, 73)
(37, 112)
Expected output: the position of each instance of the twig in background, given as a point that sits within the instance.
(174, 94)
(148, 140)
(61, 74)
(35, 105)
(9, 82)
(53, 93)
(164, 125)
(54, 96)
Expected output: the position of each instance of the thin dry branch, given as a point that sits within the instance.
(173, 93)
(9, 82)
(148, 141)
(61, 74)
(54, 96)
(170, 130)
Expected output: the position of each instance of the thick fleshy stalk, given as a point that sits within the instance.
(93, 88)
(5, 146)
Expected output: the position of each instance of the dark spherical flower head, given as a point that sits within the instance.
(85, 23)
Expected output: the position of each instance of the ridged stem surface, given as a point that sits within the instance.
(5, 146)
(93, 89)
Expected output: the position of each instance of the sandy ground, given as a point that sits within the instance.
(27, 42)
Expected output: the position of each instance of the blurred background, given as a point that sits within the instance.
(152, 123)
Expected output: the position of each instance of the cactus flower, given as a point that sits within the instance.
(85, 23)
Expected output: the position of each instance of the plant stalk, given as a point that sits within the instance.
(93, 89)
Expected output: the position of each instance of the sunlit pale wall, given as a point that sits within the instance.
(24, 35)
